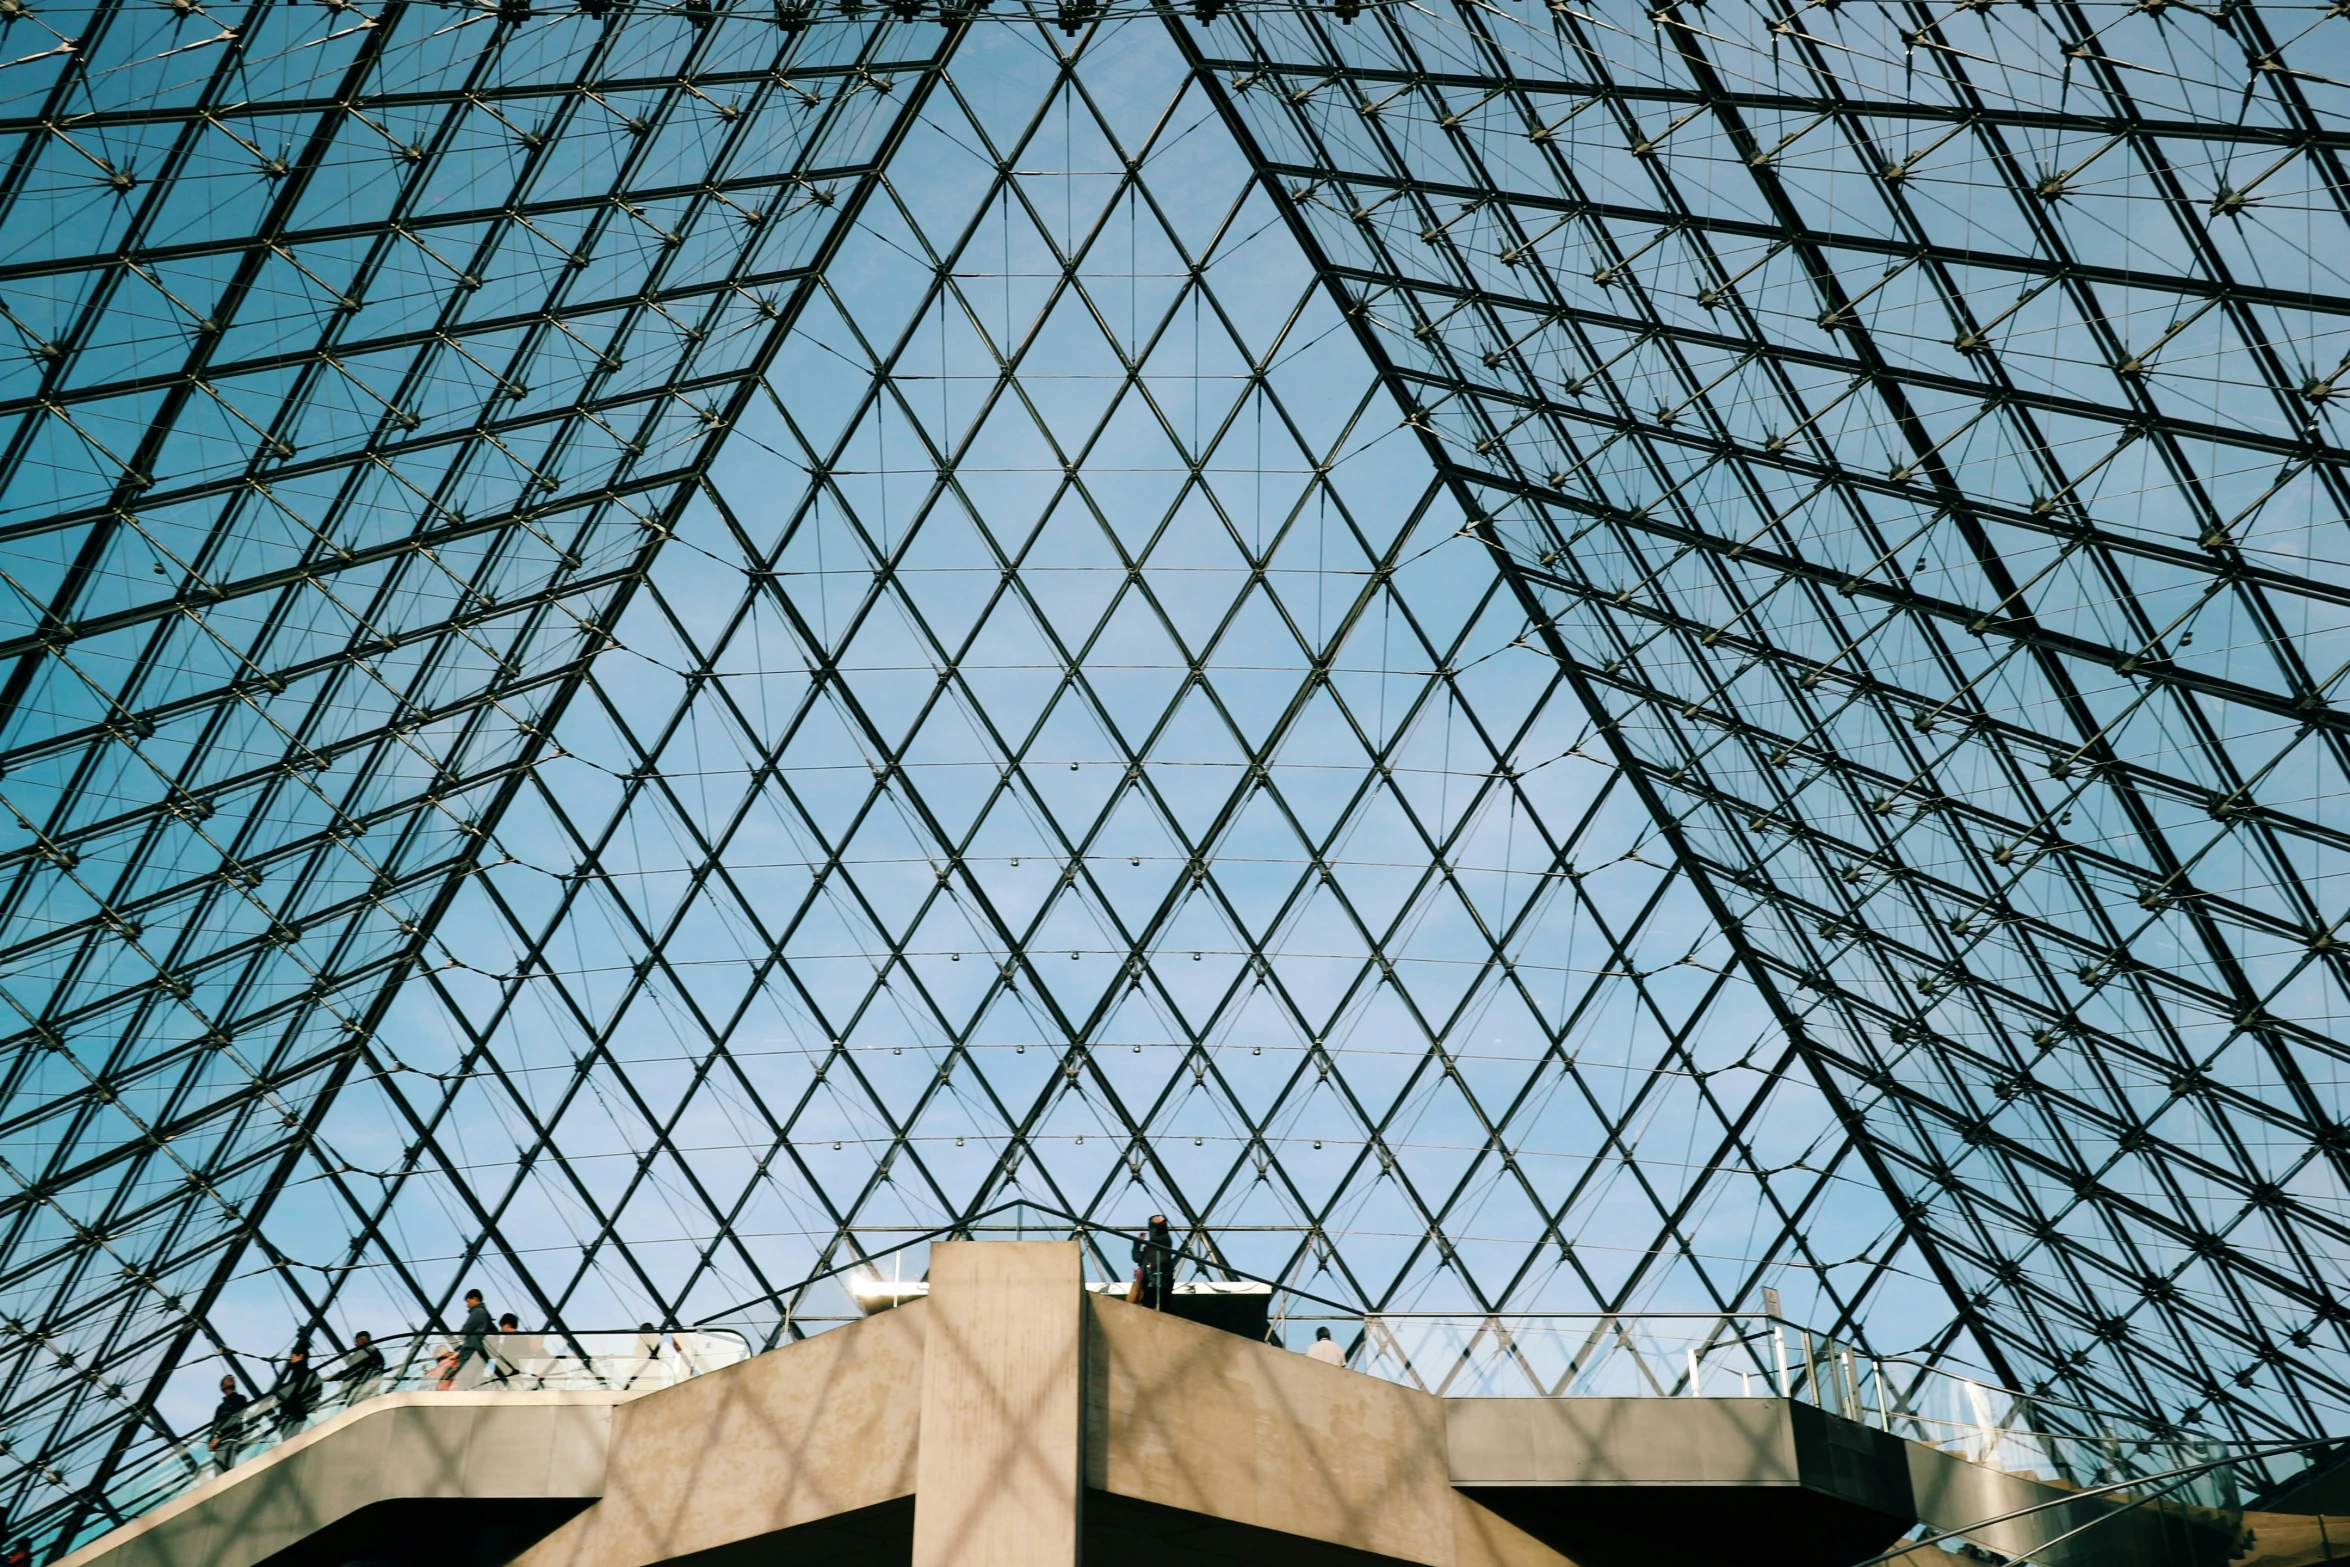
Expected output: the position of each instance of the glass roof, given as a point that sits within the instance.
(1572, 659)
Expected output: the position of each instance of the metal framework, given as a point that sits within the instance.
(1580, 658)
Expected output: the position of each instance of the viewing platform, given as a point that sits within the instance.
(1006, 1414)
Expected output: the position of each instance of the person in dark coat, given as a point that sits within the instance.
(1154, 1264)
(228, 1426)
(473, 1339)
(297, 1390)
(363, 1370)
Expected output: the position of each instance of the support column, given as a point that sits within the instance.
(999, 1476)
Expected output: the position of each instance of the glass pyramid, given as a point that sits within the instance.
(1512, 659)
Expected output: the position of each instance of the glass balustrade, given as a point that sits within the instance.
(1672, 1355)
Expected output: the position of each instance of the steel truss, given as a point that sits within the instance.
(1596, 609)
(1882, 538)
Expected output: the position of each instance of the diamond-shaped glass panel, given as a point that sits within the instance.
(1513, 660)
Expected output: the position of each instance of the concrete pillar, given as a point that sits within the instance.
(998, 1479)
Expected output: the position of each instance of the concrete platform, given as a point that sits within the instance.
(447, 1472)
(1667, 1481)
(1011, 1419)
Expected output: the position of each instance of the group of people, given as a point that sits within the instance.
(483, 1351)
(499, 1362)
(502, 1353)
(300, 1391)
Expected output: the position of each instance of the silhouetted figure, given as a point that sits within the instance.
(297, 1390)
(228, 1426)
(1154, 1264)
(21, 1555)
(1325, 1349)
(364, 1371)
(473, 1339)
(519, 1356)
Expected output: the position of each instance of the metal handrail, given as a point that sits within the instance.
(2127, 1495)
(1686, 1354)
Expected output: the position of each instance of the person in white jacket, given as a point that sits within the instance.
(1325, 1349)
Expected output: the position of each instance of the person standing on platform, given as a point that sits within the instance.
(473, 1339)
(1154, 1265)
(297, 1390)
(1325, 1349)
(365, 1372)
(228, 1426)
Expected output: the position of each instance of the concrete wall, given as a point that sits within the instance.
(1671, 1482)
(1620, 1441)
(2294, 1540)
(1481, 1538)
(1187, 1417)
(999, 1482)
(433, 1446)
(1674, 1442)
(972, 1402)
(823, 1427)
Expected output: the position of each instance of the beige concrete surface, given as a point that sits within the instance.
(968, 1430)
(1187, 1417)
(425, 1446)
(999, 1480)
(2294, 1540)
(1620, 1441)
(1481, 1538)
(818, 1428)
